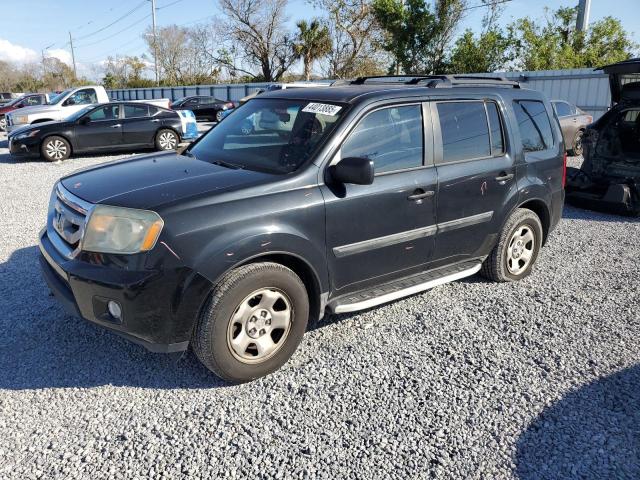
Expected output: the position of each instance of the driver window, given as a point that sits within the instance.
(391, 137)
(109, 112)
(82, 97)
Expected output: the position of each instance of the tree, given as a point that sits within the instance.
(355, 38)
(255, 30)
(416, 35)
(313, 42)
(556, 44)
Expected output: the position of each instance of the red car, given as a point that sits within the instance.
(28, 100)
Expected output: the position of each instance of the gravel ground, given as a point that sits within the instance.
(534, 380)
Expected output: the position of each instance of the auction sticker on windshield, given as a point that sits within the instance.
(322, 108)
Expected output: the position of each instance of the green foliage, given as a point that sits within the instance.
(312, 43)
(556, 44)
(487, 52)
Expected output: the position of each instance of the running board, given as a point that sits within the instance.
(403, 288)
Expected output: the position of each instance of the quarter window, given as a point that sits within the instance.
(391, 137)
(464, 129)
(563, 109)
(133, 111)
(495, 125)
(534, 125)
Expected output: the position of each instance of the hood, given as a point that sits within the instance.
(624, 80)
(149, 181)
(37, 109)
(39, 126)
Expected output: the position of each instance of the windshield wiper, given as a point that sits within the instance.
(222, 163)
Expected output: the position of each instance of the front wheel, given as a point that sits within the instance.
(166, 140)
(55, 149)
(219, 115)
(3, 123)
(252, 322)
(517, 250)
(576, 147)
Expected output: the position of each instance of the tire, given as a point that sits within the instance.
(55, 149)
(3, 123)
(576, 147)
(167, 140)
(509, 260)
(219, 117)
(245, 306)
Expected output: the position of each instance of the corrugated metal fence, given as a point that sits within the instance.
(583, 87)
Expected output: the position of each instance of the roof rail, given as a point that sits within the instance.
(440, 81)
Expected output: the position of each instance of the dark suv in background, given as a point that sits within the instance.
(367, 193)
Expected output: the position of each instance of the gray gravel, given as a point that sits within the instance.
(534, 380)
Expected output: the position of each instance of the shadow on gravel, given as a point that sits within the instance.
(42, 347)
(592, 433)
(574, 213)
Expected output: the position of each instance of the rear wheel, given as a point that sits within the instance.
(55, 149)
(517, 250)
(3, 123)
(252, 322)
(166, 140)
(576, 147)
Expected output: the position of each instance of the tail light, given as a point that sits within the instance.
(564, 170)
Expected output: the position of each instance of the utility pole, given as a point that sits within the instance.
(584, 9)
(73, 56)
(155, 41)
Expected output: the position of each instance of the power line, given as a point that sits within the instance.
(140, 5)
(134, 24)
(488, 4)
(169, 4)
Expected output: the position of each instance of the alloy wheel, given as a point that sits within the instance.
(520, 249)
(56, 149)
(167, 141)
(259, 325)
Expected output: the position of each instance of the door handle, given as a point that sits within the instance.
(504, 176)
(155, 120)
(419, 194)
(117, 125)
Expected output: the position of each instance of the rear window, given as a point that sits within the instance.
(534, 125)
(465, 132)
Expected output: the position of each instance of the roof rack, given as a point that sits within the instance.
(439, 81)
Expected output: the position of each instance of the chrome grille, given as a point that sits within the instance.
(68, 216)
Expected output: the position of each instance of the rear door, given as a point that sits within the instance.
(102, 131)
(476, 176)
(383, 231)
(138, 129)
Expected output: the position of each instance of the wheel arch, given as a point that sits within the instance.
(42, 120)
(166, 127)
(541, 209)
(57, 135)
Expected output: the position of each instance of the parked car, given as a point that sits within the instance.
(65, 104)
(373, 191)
(6, 97)
(573, 123)
(609, 178)
(28, 100)
(204, 108)
(106, 127)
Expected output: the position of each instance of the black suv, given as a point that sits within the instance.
(351, 196)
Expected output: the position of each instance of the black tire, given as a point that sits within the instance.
(576, 147)
(215, 326)
(55, 149)
(166, 139)
(3, 123)
(219, 114)
(500, 266)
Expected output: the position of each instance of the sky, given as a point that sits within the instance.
(115, 27)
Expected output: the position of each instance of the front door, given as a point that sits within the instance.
(100, 128)
(476, 177)
(386, 230)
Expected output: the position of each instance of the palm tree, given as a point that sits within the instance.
(312, 42)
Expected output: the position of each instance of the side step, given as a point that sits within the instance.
(402, 288)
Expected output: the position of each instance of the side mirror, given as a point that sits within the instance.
(20, 105)
(355, 170)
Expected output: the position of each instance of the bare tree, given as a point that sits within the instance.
(255, 30)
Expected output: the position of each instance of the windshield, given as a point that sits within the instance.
(13, 102)
(75, 116)
(54, 97)
(270, 135)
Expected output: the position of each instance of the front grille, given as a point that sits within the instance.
(68, 215)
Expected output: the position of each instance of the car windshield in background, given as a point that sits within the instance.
(75, 116)
(53, 98)
(271, 135)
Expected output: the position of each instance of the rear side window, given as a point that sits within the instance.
(465, 132)
(495, 125)
(391, 137)
(562, 109)
(133, 111)
(534, 125)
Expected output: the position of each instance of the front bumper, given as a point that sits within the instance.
(27, 147)
(159, 305)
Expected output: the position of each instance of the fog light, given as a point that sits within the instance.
(114, 309)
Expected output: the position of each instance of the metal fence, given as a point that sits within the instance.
(583, 87)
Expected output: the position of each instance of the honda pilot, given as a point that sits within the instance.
(360, 194)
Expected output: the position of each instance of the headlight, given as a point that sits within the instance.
(32, 133)
(121, 230)
(19, 119)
